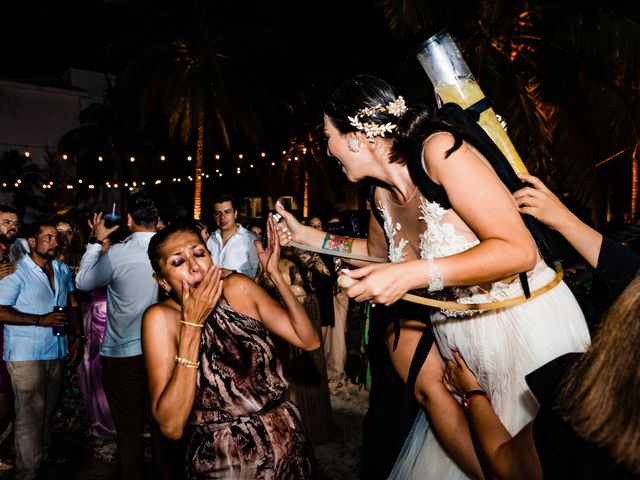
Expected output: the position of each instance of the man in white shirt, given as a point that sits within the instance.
(231, 245)
(126, 271)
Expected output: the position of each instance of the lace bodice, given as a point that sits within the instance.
(438, 233)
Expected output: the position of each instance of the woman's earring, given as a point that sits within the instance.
(353, 144)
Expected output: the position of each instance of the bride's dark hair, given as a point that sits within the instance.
(412, 128)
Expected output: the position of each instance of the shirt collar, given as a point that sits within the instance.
(139, 235)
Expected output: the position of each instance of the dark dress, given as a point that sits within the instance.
(563, 454)
(242, 424)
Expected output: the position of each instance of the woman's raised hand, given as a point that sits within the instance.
(199, 302)
(541, 203)
(289, 229)
(270, 255)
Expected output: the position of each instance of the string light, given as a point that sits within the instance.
(129, 184)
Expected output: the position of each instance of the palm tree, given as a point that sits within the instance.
(188, 77)
(564, 75)
(101, 150)
(304, 167)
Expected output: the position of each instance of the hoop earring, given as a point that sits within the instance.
(353, 144)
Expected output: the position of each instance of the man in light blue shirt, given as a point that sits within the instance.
(231, 245)
(126, 272)
(34, 354)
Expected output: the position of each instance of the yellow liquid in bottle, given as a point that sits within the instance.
(467, 92)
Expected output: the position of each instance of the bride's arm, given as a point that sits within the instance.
(481, 200)
(294, 231)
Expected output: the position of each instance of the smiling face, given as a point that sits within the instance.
(183, 257)
(337, 147)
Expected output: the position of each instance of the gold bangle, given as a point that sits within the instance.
(197, 325)
(186, 363)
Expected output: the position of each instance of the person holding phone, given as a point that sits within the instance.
(34, 354)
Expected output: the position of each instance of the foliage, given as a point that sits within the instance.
(563, 74)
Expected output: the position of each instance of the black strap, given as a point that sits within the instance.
(428, 188)
(524, 281)
(374, 207)
(477, 108)
(419, 357)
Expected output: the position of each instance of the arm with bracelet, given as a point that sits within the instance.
(171, 334)
(506, 456)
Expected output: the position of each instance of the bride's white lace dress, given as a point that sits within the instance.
(500, 346)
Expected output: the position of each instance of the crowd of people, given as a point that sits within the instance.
(222, 342)
(109, 286)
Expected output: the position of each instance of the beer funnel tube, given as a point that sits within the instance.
(453, 82)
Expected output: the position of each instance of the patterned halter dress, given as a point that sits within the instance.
(242, 424)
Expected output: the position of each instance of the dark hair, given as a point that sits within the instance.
(600, 394)
(7, 209)
(417, 123)
(223, 197)
(156, 242)
(33, 230)
(77, 245)
(143, 210)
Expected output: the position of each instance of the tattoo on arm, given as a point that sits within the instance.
(337, 243)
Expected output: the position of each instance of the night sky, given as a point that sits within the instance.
(339, 38)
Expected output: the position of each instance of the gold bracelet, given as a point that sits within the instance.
(197, 325)
(186, 363)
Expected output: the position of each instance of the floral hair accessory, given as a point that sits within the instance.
(396, 108)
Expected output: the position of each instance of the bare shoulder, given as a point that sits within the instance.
(237, 284)
(243, 294)
(160, 314)
(437, 144)
(434, 154)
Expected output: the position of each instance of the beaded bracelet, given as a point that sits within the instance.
(186, 363)
(197, 325)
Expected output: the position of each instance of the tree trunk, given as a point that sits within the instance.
(197, 197)
(634, 185)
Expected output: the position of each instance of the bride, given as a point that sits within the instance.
(466, 244)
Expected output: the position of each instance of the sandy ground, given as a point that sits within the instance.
(86, 458)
